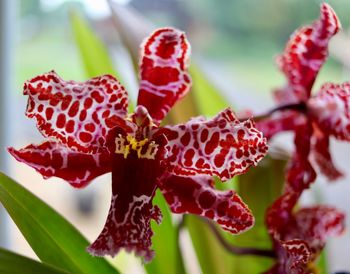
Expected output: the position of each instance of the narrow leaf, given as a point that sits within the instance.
(94, 54)
(54, 240)
(212, 257)
(12, 263)
(258, 188)
(209, 99)
(165, 243)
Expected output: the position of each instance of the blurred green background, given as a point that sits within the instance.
(242, 36)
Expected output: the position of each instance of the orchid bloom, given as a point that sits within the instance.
(316, 117)
(91, 134)
(300, 236)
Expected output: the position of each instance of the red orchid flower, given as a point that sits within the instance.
(91, 134)
(300, 236)
(314, 118)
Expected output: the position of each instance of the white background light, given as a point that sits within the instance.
(94, 8)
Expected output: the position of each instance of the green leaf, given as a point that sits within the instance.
(54, 240)
(258, 189)
(209, 99)
(94, 54)
(165, 243)
(212, 257)
(12, 263)
(322, 263)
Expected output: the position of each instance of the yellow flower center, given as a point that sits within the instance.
(124, 146)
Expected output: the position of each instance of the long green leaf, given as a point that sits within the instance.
(165, 243)
(12, 263)
(212, 257)
(54, 240)
(258, 188)
(208, 97)
(94, 54)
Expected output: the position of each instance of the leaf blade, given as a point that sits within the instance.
(54, 240)
(165, 243)
(270, 175)
(12, 263)
(95, 56)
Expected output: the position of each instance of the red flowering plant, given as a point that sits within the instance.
(313, 118)
(90, 133)
(299, 236)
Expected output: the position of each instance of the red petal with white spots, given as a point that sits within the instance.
(300, 173)
(53, 159)
(300, 236)
(296, 257)
(279, 214)
(292, 254)
(78, 114)
(316, 224)
(163, 71)
(305, 236)
(197, 195)
(280, 121)
(293, 258)
(330, 109)
(289, 94)
(131, 211)
(305, 53)
(322, 156)
(222, 146)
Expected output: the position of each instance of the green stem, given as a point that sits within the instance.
(237, 250)
(300, 107)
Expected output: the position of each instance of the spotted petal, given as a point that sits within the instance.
(322, 156)
(163, 71)
(316, 224)
(77, 114)
(305, 236)
(222, 146)
(330, 109)
(279, 214)
(279, 122)
(300, 173)
(295, 257)
(131, 211)
(53, 159)
(305, 53)
(300, 236)
(197, 195)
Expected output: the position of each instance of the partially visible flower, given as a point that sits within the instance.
(90, 134)
(318, 117)
(300, 236)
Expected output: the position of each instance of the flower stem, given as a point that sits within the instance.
(236, 249)
(299, 107)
